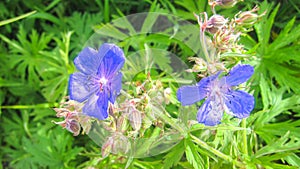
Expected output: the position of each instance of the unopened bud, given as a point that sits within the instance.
(73, 126)
(248, 18)
(111, 109)
(215, 23)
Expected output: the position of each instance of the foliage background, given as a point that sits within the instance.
(36, 56)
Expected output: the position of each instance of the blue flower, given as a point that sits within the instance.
(220, 96)
(99, 79)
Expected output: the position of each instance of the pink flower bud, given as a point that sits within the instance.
(215, 23)
(73, 126)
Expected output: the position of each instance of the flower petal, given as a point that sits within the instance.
(80, 86)
(188, 95)
(115, 87)
(88, 61)
(240, 103)
(204, 82)
(113, 60)
(96, 106)
(239, 74)
(210, 113)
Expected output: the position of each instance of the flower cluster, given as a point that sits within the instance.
(219, 93)
(98, 82)
(225, 32)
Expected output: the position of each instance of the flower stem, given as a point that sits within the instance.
(161, 112)
(204, 46)
(42, 105)
(245, 144)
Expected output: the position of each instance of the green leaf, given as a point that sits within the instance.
(286, 36)
(263, 29)
(192, 154)
(174, 156)
(265, 92)
(283, 144)
(26, 57)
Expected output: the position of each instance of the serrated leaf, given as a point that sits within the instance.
(265, 91)
(283, 144)
(192, 154)
(174, 156)
(286, 36)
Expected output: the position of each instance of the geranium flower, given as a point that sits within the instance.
(220, 96)
(99, 79)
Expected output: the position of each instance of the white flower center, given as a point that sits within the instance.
(102, 83)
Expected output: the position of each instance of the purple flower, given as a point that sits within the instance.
(220, 96)
(99, 79)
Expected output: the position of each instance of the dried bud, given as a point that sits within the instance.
(215, 23)
(226, 40)
(121, 144)
(122, 123)
(135, 118)
(117, 144)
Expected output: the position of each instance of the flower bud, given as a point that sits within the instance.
(215, 23)
(73, 126)
(248, 18)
